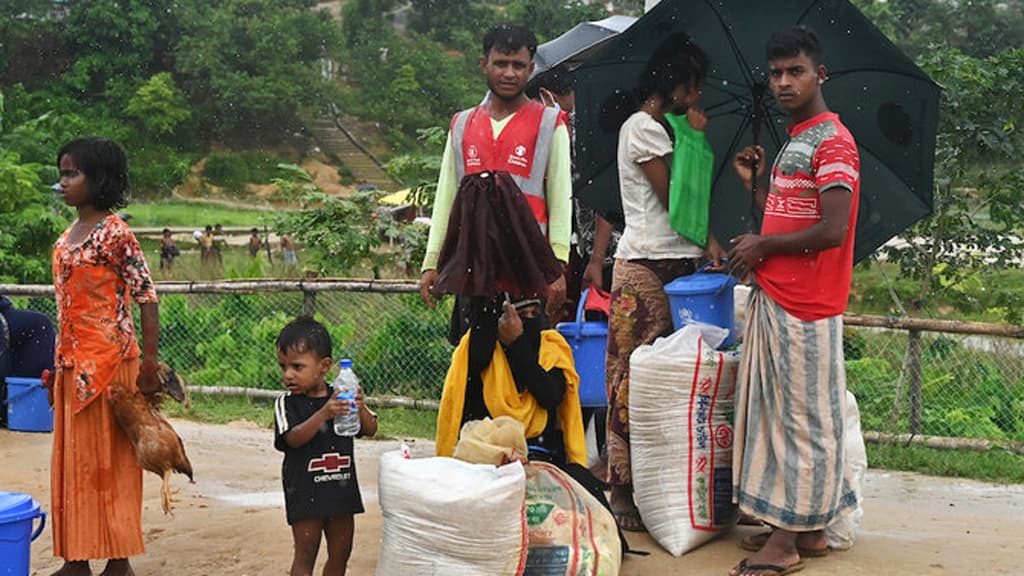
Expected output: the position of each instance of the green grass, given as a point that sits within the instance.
(989, 296)
(994, 465)
(221, 410)
(196, 214)
(392, 422)
(237, 263)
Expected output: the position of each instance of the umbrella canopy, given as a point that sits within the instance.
(580, 41)
(889, 105)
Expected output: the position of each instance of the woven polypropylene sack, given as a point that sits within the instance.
(443, 516)
(570, 532)
(681, 397)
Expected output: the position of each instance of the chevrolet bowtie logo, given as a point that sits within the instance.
(329, 463)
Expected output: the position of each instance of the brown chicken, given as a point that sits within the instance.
(158, 447)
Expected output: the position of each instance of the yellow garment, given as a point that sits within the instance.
(502, 398)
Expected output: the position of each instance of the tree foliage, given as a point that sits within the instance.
(977, 221)
(159, 105)
(978, 28)
(116, 41)
(248, 65)
(29, 223)
(340, 233)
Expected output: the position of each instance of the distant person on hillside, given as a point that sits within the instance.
(168, 251)
(291, 259)
(255, 243)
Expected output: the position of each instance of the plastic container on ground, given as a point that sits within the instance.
(17, 513)
(346, 385)
(703, 297)
(588, 340)
(27, 407)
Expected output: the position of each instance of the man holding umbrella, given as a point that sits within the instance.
(788, 459)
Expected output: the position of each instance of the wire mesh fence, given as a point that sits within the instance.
(924, 382)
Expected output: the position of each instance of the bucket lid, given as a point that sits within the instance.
(15, 506)
(589, 328)
(699, 283)
(16, 381)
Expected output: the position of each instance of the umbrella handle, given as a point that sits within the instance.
(753, 196)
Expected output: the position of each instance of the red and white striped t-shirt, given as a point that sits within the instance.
(820, 155)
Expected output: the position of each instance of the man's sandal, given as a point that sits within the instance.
(755, 542)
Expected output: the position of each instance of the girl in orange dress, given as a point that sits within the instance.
(96, 482)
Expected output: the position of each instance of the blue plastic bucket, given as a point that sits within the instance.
(587, 340)
(703, 297)
(27, 407)
(17, 512)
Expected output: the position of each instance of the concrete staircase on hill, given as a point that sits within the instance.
(338, 142)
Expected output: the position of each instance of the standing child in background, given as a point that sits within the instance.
(220, 241)
(319, 475)
(206, 246)
(255, 242)
(291, 259)
(168, 251)
(95, 479)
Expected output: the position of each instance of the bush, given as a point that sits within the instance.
(233, 171)
(406, 353)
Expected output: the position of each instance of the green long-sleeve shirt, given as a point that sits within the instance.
(557, 190)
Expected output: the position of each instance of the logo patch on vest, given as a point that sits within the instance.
(518, 157)
(473, 161)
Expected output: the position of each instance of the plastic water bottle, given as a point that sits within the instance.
(345, 385)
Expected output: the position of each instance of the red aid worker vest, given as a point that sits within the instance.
(522, 149)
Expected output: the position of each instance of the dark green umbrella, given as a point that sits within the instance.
(886, 101)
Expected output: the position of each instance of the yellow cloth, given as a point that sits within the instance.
(502, 398)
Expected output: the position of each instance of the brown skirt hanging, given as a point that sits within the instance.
(494, 243)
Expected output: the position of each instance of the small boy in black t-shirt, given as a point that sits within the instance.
(319, 471)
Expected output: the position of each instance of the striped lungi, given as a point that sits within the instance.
(790, 408)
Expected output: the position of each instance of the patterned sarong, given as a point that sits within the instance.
(640, 314)
(791, 400)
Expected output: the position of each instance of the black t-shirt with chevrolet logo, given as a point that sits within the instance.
(319, 478)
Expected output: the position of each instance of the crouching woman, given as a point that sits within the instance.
(520, 369)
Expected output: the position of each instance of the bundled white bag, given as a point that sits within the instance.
(842, 533)
(443, 516)
(681, 397)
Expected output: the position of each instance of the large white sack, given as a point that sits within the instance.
(443, 516)
(681, 397)
(842, 533)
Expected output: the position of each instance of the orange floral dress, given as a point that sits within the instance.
(96, 482)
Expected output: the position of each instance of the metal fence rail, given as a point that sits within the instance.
(911, 376)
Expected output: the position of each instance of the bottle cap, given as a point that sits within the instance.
(345, 363)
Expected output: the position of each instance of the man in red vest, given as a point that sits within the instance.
(510, 133)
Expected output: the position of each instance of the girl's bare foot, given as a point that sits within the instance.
(118, 567)
(74, 568)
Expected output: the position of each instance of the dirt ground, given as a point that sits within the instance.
(232, 520)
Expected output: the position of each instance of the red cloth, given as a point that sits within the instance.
(493, 243)
(820, 155)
